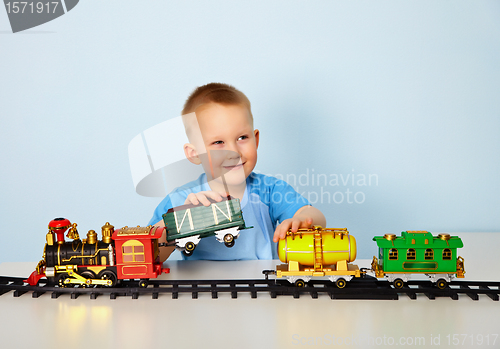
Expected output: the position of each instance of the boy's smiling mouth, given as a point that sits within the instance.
(234, 167)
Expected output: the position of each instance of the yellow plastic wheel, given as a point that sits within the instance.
(341, 283)
(441, 284)
(300, 283)
(398, 283)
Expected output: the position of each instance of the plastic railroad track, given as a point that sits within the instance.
(366, 287)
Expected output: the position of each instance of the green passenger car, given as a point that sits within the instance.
(186, 225)
(418, 252)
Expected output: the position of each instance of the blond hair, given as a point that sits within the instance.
(215, 93)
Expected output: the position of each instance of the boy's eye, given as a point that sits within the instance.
(242, 137)
(218, 142)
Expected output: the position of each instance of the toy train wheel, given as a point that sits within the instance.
(143, 283)
(441, 284)
(398, 283)
(229, 240)
(61, 278)
(89, 275)
(300, 283)
(190, 246)
(108, 275)
(340, 283)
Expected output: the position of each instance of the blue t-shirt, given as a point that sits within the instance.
(267, 202)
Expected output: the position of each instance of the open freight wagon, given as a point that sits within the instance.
(186, 225)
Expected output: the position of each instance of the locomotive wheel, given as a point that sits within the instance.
(88, 274)
(108, 275)
(300, 283)
(441, 284)
(398, 283)
(61, 278)
(341, 283)
(143, 283)
(190, 246)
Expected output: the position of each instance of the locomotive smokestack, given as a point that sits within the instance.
(59, 227)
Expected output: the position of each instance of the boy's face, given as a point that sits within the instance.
(228, 143)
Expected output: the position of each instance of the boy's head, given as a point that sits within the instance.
(219, 125)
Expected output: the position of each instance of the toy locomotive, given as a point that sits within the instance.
(126, 253)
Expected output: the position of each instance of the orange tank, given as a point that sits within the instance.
(333, 245)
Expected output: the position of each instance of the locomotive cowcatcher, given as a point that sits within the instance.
(126, 253)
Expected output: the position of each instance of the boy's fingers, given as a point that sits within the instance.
(307, 223)
(276, 236)
(280, 232)
(203, 199)
(277, 233)
(293, 225)
(283, 232)
(284, 229)
(204, 195)
(191, 199)
(214, 195)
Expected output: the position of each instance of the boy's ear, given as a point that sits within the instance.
(256, 134)
(191, 154)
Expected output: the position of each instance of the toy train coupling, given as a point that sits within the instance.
(267, 272)
(460, 267)
(364, 271)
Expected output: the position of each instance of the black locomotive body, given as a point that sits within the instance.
(77, 252)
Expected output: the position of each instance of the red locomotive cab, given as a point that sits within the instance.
(137, 253)
(59, 227)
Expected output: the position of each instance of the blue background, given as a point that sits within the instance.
(405, 91)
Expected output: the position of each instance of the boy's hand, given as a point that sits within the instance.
(291, 223)
(305, 217)
(202, 198)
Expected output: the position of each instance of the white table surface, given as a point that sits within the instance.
(263, 322)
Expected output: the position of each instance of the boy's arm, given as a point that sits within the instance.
(305, 217)
(165, 251)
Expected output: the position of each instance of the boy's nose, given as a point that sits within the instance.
(232, 150)
(232, 154)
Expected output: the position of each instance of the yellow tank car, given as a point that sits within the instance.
(336, 245)
(318, 252)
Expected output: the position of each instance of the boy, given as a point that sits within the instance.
(219, 125)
